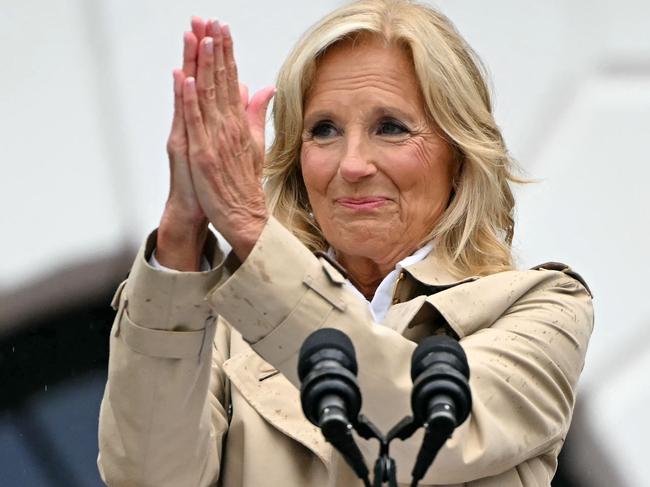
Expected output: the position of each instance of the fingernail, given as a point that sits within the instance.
(216, 27)
(225, 28)
(208, 45)
(190, 82)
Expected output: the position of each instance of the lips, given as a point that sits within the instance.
(367, 203)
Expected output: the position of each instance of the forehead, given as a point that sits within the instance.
(368, 62)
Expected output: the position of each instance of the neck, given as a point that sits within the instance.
(366, 274)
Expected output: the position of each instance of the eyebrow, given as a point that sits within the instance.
(376, 112)
(318, 115)
(391, 111)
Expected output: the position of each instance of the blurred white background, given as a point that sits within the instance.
(85, 107)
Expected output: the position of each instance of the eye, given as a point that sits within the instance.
(391, 127)
(323, 130)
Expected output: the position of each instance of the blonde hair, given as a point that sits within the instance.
(474, 235)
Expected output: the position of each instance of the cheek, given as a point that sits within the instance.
(424, 168)
(317, 168)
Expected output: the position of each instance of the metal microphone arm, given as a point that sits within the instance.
(385, 470)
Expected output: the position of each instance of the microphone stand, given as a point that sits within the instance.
(385, 469)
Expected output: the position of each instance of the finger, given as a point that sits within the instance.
(231, 70)
(193, 120)
(256, 115)
(198, 27)
(243, 94)
(205, 84)
(178, 124)
(220, 81)
(189, 54)
(177, 140)
(209, 32)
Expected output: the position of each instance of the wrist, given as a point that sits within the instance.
(180, 243)
(244, 239)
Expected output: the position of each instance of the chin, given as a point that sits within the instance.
(369, 238)
(369, 246)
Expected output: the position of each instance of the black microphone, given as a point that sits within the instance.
(329, 392)
(441, 397)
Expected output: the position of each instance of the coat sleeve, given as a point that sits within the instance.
(162, 417)
(524, 366)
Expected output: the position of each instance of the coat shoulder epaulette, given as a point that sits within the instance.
(559, 266)
(324, 255)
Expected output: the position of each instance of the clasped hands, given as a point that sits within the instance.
(216, 152)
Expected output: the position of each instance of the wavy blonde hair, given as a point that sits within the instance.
(474, 235)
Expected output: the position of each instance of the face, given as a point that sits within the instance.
(377, 173)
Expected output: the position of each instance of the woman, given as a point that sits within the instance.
(386, 163)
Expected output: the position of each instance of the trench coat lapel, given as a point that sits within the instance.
(478, 302)
(275, 399)
(429, 300)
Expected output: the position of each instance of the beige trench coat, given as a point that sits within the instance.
(202, 381)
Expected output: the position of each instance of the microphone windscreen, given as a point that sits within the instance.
(326, 338)
(437, 344)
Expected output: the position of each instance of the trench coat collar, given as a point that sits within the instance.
(412, 289)
(431, 272)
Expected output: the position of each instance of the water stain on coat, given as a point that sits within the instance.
(261, 267)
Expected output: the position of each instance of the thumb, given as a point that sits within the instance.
(256, 114)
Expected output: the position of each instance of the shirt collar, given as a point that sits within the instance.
(383, 298)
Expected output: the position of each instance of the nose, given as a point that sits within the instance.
(356, 161)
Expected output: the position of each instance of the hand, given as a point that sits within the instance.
(225, 134)
(183, 226)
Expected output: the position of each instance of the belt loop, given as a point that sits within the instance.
(120, 312)
(209, 324)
